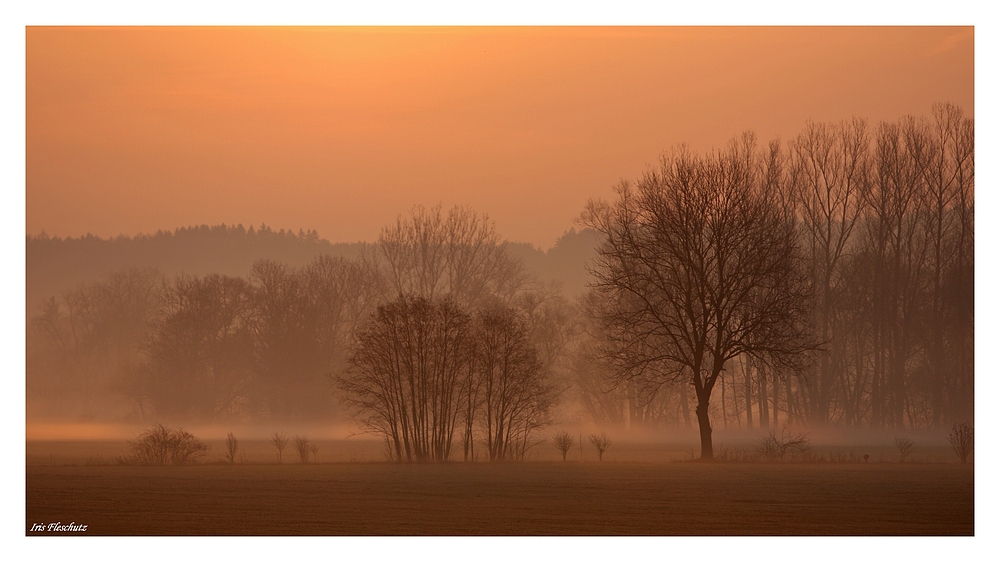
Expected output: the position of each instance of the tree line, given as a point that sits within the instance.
(827, 280)
(298, 343)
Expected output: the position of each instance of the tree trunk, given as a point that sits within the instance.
(748, 392)
(762, 400)
(705, 428)
(684, 406)
(725, 418)
(775, 386)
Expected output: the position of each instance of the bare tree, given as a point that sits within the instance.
(289, 362)
(279, 440)
(905, 447)
(699, 265)
(601, 442)
(897, 247)
(459, 256)
(314, 449)
(830, 169)
(303, 447)
(515, 398)
(405, 375)
(962, 439)
(91, 341)
(199, 352)
(564, 442)
(232, 446)
(777, 446)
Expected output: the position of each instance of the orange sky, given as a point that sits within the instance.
(341, 129)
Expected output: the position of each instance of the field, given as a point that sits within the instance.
(543, 497)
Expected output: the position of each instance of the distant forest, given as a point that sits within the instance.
(828, 280)
(94, 305)
(55, 265)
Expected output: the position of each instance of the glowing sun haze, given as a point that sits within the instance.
(341, 129)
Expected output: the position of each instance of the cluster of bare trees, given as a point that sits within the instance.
(480, 338)
(425, 371)
(887, 218)
(85, 347)
(831, 280)
(452, 355)
(203, 348)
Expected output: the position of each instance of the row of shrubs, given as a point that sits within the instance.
(163, 445)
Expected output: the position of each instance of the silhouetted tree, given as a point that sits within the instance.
(84, 351)
(515, 398)
(563, 441)
(700, 264)
(962, 439)
(288, 360)
(830, 170)
(232, 446)
(303, 447)
(904, 445)
(406, 373)
(601, 442)
(200, 349)
(279, 440)
(459, 256)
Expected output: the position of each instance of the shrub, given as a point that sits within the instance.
(279, 440)
(232, 446)
(163, 445)
(601, 443)
(303, 447)
(774, 447)
(962, 440)
(564, 442)
(905, 446)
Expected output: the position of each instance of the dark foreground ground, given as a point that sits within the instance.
(539, 498)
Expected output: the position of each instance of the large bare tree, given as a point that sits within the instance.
(700, 263)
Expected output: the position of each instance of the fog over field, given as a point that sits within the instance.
(513, 279)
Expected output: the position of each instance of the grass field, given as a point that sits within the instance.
(531, 498)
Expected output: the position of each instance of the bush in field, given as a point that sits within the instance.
(601, 442)
(727, 454)
(564, 442)
(905, 446)
(962, 440)
(775, 447)
(232, 446)
(163, 445)
(279, 440)
(303, 446)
